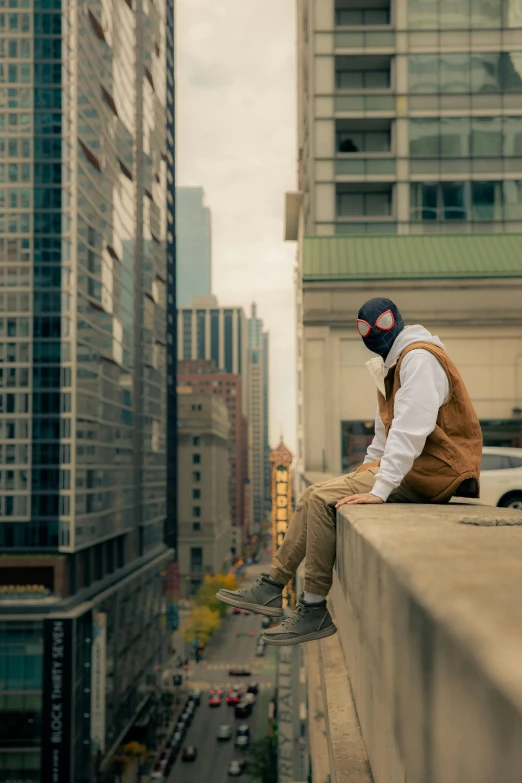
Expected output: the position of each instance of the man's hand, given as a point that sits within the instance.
(356, 499)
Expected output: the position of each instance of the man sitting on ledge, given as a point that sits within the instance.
(427, 448)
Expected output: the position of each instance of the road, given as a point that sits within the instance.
(225, 650)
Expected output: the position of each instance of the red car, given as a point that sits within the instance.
(214, 701)
(189, 753)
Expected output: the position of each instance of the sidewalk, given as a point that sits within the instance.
(144, 777)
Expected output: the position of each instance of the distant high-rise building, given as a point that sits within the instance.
(202, 376)
(194, 245)
(87, 212)
(258, 414)
(207, 331)
(204, 517)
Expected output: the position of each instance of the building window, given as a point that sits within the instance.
(214, 336)
(363, 80)
(472, 14)
(486, 72)
(196, 494)
(196, 511)
(187, 334)
(196, 475)
(466, 137)
(361, 204)
(362, 17)
(362, 141)
(196, 558)
(475, 201)
(196, 527)
(200, 336)
(229, 350)
(356, 436)
(196, 440)
(196, 459)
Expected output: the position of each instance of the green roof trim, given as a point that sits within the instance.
(440, 257)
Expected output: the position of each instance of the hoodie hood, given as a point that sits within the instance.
(378, 368)
(409, 335)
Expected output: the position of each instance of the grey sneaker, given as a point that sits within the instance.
(264, 596)
(306, 623)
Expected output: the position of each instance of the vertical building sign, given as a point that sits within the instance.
(57, 718)
(287, 710)
(281, 459)
(98, 677)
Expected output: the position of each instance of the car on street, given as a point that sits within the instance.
(501, 477)
(239, 671)
(224, 733)
(236, 768)
(177, 736)
(243, 730)
(195, 696)
(233, 698)
(242, 742)
(189, 753)
(216, 691)
(253, 687)
(243, 709)
(266, 622)
(214, 701)
(174, 741)
(182, 725)
(249, 698)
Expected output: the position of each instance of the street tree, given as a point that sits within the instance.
(206, 595)
(201, 624)
(262, 765)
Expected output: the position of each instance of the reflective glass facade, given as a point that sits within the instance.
(86, 277)
(214, 333)
(83, 227)
(411, 122)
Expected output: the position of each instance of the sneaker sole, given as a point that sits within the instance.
(268, 611)
(308, 637)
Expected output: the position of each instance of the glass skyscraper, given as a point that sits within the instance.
(207, 331)
(194, 240)
(258, 416)
(86, 258)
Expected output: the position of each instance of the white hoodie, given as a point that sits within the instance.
(424, 388)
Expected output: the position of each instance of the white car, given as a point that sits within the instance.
(501, 477)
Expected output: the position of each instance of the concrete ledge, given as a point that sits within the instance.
(317, 734)
(429, 612)
(348, 757)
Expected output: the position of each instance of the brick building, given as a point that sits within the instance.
(202, 376)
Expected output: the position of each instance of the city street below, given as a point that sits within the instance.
(234, 645)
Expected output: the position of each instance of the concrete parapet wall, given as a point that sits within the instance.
(428, 602)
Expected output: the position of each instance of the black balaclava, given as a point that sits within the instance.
(379, 322)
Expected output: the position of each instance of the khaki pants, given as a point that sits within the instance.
(311, 531)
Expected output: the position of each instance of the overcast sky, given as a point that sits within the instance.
(236, 137)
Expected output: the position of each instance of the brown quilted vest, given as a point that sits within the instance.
(450, 461)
